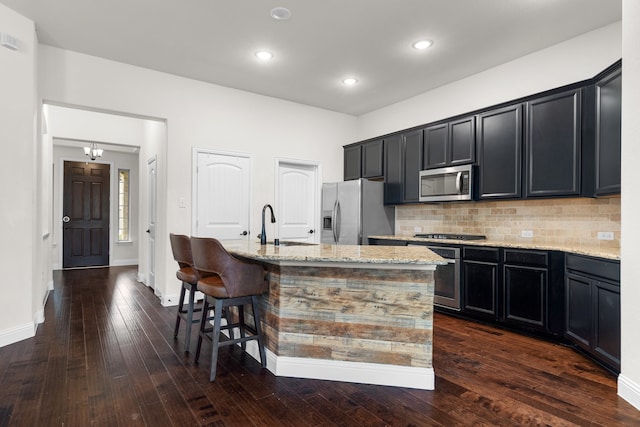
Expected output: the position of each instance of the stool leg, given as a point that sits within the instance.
(215, 338)
(256, 319)
(187, 340)
(243, 344)
(180, 305)
(203, 322)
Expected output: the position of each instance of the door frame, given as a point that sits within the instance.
(58, 240)
(279, 161)
(195, 152)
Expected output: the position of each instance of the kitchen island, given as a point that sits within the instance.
(347, 313)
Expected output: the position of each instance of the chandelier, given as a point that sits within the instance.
(93, 152)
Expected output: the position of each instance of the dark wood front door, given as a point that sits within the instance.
(85, 215)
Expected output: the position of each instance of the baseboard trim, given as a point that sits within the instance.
(169, 300)
(629, 390)
(124, 262)
(17, 333)
(351, 372)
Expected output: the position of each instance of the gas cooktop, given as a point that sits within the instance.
(451, 236)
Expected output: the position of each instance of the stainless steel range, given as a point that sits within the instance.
(447, 277)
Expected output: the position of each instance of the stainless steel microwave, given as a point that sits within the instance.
(446, 184)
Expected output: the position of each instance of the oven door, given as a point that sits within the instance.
(447, 277)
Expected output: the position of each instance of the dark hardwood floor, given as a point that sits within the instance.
(106, 356)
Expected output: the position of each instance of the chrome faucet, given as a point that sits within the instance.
(263, 234)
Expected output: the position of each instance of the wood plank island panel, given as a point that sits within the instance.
(348, 320)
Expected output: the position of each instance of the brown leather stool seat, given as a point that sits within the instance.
(181, 248)
(227, 281)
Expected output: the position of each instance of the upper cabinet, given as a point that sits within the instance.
(608, 93)
(449, 144)
(553, 145)
(561, 143)
(352, 162)
(499, 139)
(364, 160)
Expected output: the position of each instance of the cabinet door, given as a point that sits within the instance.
(606, 338)
(372, 159)
(525, 290)
(462, 141)
(393, 190)
(553, 144)
(579, 310)
(499, 138)
(412, 142)
(480, 286)
(608, 134)
(352, 164)
(435, 146)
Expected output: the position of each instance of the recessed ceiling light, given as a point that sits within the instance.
(280, 13)
(264, 55)
(422, 44)
(349, 81)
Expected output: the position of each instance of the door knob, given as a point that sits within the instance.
(66, 218)
(244, 233)
(311, 231)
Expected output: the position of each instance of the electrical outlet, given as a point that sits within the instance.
(417, 229)
(527, 233)
(605, 235)
(182, 203)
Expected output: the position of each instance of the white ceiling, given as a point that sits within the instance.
(323, 42)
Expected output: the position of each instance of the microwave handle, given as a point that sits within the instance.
(459, 182)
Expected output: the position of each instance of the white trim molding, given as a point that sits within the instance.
(351, 372)
(17, 333)
(629, 390)
(124, 262)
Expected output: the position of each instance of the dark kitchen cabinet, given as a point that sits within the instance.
(364, 160)
(403, 162)
(393, 176)
(450, 144)
(373, 159)
(499, 139)
(480, 281)
(352, 162)
(412, 159)
(608, 119)
(525, 284)
(553, 145)
(593, 307)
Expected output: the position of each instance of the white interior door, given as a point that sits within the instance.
(298, 206)
(222, 195)
(151, 228)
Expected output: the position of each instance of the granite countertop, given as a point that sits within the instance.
(594, 251)
(333, 253)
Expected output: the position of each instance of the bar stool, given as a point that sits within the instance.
(241, 284)
(181, 248)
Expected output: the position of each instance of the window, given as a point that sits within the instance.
(123, 205)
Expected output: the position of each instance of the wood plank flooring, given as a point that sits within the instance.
(106, 356)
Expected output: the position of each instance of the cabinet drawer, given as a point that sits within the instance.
(481, 254)
(530, 258)
(594, 267)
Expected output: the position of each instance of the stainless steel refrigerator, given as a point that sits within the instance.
(354, 210)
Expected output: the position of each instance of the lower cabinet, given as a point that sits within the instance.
(516, 287)
(593, 307)
(480, 281)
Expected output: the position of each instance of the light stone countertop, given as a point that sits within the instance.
(594, 251)
(324, 253)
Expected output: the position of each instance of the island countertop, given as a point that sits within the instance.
(325, 253)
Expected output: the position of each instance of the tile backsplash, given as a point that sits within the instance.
(574, 221)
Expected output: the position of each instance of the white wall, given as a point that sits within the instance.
(121, 253)
(629, 379)
(569, 62)
(23, 285)
(197, 115)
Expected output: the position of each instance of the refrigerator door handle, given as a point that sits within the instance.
(333, 221)
(338, 221)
